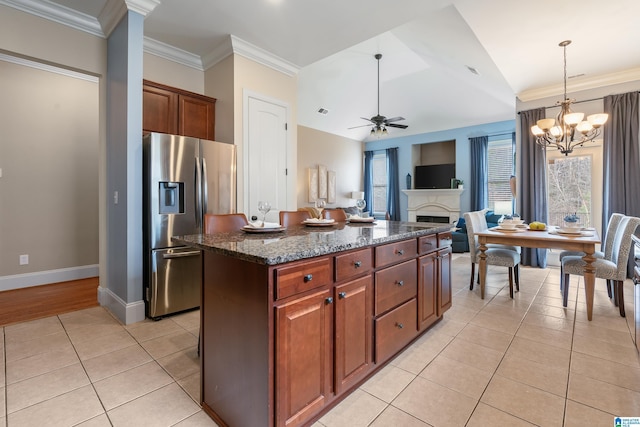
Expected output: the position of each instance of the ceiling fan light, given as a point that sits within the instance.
(597, 120)
(373, 131)
(384, 132)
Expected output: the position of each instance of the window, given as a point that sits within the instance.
(569, 188)
(500, 159)
(379, 166)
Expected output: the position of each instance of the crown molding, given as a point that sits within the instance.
(263, 57)
(171, 53)
(586, 83)
(217, 54)
(114, 10)
(57, 13)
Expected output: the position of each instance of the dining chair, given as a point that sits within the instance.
(499, 255)
(612, 227)
(288, 218)
(338, 215)
(613, 268)
(224, 223)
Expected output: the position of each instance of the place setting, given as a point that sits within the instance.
(511, 226)
(263, 226)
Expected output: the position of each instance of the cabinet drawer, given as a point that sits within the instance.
(427, 244)
(395, 285)
(353, 264)
(395, 252)
(445, 239)
(301, 277)
(395, 329)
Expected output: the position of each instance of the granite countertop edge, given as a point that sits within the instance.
(221, 242)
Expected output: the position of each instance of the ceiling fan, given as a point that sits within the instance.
(380, 123)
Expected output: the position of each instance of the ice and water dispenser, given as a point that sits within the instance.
(171, 196)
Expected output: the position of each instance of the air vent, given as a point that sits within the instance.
(473, 70)
(323, 111)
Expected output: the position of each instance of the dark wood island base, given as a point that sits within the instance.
(283, 342)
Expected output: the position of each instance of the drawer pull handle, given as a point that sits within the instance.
(329, 301)
(342, 295)
(308, 278)
(399, 325)
(400, 282)
(400, 252)
(357, 264)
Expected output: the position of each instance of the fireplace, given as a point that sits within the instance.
(438, 203)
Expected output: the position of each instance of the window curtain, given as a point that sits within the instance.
(621, 159)
(533, 183)
(393, 185)
(368, 180)
(479, 172)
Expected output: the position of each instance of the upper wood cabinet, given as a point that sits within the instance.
(178, 112)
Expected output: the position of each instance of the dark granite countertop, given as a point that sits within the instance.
(300, 242)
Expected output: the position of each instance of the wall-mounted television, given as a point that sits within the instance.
(434, 176)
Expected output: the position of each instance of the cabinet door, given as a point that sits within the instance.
(196, 117)
(354, 335)
(444, 267)
(159, 110)
(303, 355)
(427, 290)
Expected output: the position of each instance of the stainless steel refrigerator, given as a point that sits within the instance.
(184, 178)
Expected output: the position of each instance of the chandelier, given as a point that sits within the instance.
(567, 130)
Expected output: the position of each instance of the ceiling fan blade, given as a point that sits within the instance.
(369, 120)
(394, 119)
(393, 125)
(355, 127)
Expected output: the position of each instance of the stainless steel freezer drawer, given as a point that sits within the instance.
(176, 277)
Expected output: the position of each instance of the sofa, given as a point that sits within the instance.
(461, 240)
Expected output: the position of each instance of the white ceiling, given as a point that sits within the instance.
(427, 47)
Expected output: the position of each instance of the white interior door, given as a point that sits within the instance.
(266, 172)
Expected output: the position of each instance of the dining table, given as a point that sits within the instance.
(549, 238)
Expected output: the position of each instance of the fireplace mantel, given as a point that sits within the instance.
(435, 202)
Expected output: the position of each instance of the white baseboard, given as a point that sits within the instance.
(38, 278)
(127, 313)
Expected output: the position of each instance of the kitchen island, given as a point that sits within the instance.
(293, 321)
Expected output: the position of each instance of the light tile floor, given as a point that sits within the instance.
(521, 362)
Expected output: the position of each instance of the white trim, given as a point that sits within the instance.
(127, 313)
(163, 50)
(58, 13)
(263, 57)
(49, 68)
(583, 84)
(26, 280)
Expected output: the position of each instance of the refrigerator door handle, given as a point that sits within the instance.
(198, 212)
(180, 254)
(205, 187)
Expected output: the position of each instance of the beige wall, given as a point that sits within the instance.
(218, 81)
(171, 73)
(54, 130)
(49, 158)
(339, 154)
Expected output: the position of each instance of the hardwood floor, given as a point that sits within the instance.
(19, 305)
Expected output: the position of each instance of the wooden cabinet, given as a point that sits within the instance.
(303, 357)
(284, 343)
(178, 112)
(434, 285)
(353, 339)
